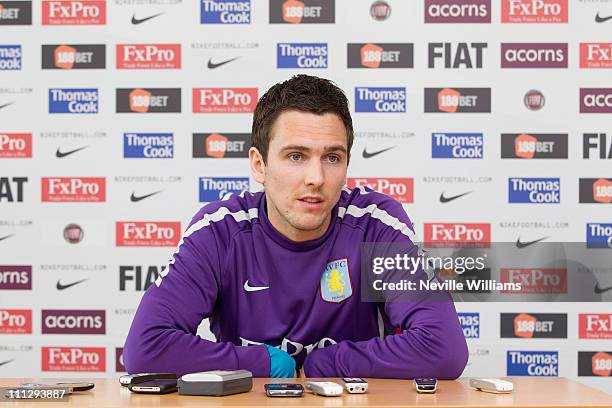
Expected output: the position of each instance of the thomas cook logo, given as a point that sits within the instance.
(336, 281)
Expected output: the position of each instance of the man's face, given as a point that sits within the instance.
(305, 172)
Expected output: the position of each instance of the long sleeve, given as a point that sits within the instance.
(163, 337)
(429, 342)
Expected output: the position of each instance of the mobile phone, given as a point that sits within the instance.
(426, 385)
(77, 386)
(128, 379)
(324, 388)
(284, 390)
(47, 386)
(154, 387)
(355, 385)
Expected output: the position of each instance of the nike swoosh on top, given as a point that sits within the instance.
(213, 65)
(6, 236)
(599, 19)
(253, 288)
(59, 286)
(59, 154)
(6, 362)
(367, 155)
(520, 244)
(600, 290)
(134, 198)
(444, 199)
(142, 20)
(6, 104)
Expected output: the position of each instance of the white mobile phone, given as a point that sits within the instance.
(494, 385)
(325, 388)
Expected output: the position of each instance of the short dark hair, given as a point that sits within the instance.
(304, 93)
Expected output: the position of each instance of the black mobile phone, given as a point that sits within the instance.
(154, 387)
(78, 386)
(426, 385)
(284, 390)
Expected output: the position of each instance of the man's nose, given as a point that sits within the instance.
(314, 174)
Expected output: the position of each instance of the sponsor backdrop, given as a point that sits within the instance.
(488, 120)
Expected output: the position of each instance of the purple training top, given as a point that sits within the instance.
(257, 287)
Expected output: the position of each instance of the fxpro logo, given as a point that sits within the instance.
(457, 235)
(147, 233)
(294, 348)
(533, 325)
(15, 321)
(401, 189)
(475, 280)
(224, 100)
(594, 363)
(10, 57)
(457, 11)
(596, 55)
(89, 359)
(457, 145)
(301, 55)
(73, 56)
(225, 11)
(457, 100)
(138, 277)
(302, 12)
(534, 146)
(380, 99)
(470, 324)
(595, 326)
(599, 142)
(149, 100)
(73, 321)
(73, 100)
(380, 55)
(74, 12)
(15, 277)
(598, 235)
(226, 145)
(593, 190)
(534, 11)
(535, 280)
(15, 13)
(216, 188)
(148, 56)
(148, 145)
(534, 55)
(595, 100)
(463, 55)
(15, 145)
(73, 189)
(534, 190)
(533, 363)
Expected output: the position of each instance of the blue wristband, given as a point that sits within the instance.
(282, 365)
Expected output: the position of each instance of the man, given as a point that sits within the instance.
(278, 272)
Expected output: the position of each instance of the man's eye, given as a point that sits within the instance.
(333, 159)
(295, 156)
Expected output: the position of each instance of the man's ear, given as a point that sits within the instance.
(258, 167)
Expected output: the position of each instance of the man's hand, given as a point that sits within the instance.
(282, 365)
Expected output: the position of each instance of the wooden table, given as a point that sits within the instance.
(528, 392)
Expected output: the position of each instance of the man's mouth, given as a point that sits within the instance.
(311, 199)
(312, 202)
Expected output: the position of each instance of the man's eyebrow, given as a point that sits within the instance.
(296, 147)
(333, 148)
